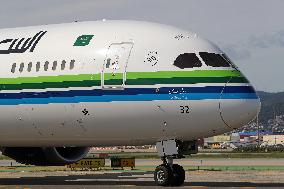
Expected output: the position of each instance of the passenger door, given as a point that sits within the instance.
(114, 71)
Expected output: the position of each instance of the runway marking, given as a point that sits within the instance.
(102, 180)
(136, 176)
(129, 185)
(199, 187)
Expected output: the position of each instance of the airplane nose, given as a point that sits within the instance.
(238, 105)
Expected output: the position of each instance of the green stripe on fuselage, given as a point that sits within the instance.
(50, 79)
(184, 80)
(183, 74)
(133, 78)
(44, 85)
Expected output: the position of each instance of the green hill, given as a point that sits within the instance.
(272, 104)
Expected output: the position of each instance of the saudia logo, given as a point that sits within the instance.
(83, 40)
(21, 45)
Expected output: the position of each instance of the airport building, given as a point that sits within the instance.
(219, 140)
(244, 139)
(271, 140)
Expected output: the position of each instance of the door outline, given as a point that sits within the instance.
(124, 71)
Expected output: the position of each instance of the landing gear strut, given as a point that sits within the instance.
(169, 174)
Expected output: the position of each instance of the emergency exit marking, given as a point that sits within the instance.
(83, 40)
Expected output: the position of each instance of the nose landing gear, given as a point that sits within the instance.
(169, 174)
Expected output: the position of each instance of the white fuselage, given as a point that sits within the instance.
(114, 83)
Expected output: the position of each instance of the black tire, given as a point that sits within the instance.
(178, 175)
(163, 175)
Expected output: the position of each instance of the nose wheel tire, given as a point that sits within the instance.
(178, 175)
(165, 175)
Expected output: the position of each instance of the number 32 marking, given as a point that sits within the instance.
(184, 109)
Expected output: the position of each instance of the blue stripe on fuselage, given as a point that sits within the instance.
(113, 98)
(128, 91)
(128, 94)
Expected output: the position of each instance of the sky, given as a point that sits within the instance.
(251, 32)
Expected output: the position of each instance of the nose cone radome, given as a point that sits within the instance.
(238, 109)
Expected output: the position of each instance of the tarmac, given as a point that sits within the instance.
(142, 177)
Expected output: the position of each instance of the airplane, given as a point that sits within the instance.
(67, 87)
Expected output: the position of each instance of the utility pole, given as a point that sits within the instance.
(257, 123)
(274, 120)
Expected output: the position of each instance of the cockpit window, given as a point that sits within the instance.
(214, 60)
(187, 60)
